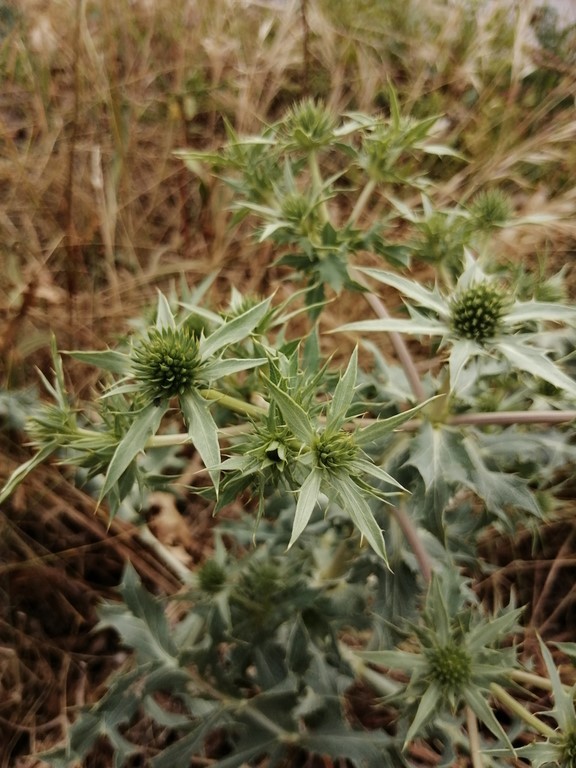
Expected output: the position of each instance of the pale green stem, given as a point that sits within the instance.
(317, 183)
(415, 542)
(397, 340)
(513, 417)
(233, 403)
(381, 684)
(474, 738)
(528, 678)
(516, 708)
(495, 418)
(361, 202)
(287, 737)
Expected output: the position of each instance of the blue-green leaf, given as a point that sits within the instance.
(356, 506)
(164, 316)
(397, 325)
(108, 359)
(537, 364)
(294, 415)
(343, 394)
(235, 330)
(146, 423)
(383, 427)
(21, 472)
(203, 432)
(422, 296)
(307, 499)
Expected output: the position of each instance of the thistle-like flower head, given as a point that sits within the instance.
(335, 451)
(490, 208)
(457, 658)
(449, 666)
(478, 320)
(211, 577)
(477, 311)
(308, 125)
(167, 363)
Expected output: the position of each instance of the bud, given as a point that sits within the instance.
(335, 451)
(450, 667)
(211, 577)
(477, 311)
(308, 125)
(167, 363)
(490, 209)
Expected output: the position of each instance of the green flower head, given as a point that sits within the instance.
(568, 750)
(308, 125)
(477, 311)
(167, 364)
(449, 666)
(211, 577)
(490, 209)
(335, 451)
(457, 656)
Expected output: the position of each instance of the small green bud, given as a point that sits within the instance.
(335, 451)
(167, 363)
(477, 312)
(211, 577)
(308, 125)
(490, 209)
(261, 582)
(450, 666)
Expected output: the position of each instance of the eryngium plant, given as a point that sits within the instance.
(363, 488)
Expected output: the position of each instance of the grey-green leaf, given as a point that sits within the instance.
(343, 394)
(307, 499)
(294, 415)
(235, 330)
(145, 424)
(108, 359)
(383, 427)
(203, 432)
(537, 364)
(422, 296)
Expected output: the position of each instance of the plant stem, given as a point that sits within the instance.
(528, 678)
(361, 202)
(513, 417)
(233, 403)
(317, 184)
(380, 683)
(305, 46)
(411, 535)
(519, 709)
(495, 418)
(474, 738)
(397, 340)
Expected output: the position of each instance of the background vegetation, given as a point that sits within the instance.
(98, 212)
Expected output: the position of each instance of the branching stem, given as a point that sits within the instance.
(474, 738)
(414, 540)
(513, 705)
(361, 202)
